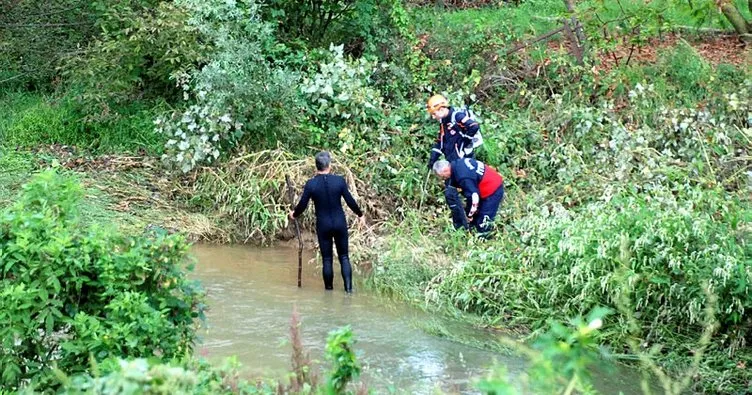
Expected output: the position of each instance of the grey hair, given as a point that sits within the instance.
(440, 166)
(323, 160)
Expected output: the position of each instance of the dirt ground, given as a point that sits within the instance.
(716, 49)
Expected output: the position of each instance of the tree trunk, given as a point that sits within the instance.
(576, 26)
(735, 17)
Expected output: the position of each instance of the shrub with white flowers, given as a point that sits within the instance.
(225, 98)
(195, 135)
(340, 101)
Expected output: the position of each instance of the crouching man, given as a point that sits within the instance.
(482, 186)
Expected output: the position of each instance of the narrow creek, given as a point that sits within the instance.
(251, 294)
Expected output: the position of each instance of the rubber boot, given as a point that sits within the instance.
(344, 263)
(328, 273)
(459, 219)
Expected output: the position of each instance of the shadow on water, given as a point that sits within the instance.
(251, 293)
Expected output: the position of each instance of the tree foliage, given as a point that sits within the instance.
(37, 36)
(237, 97)
(142, 45)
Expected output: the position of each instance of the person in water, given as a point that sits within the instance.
(327, 191)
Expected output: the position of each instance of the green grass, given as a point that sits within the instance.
(456, 27)
(31, 119)
(533, 17)
(15, 168)
(123, 199)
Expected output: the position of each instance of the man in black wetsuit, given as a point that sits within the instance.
(327, 191)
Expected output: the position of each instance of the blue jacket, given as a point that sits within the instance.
(475, 177)
(455, 140)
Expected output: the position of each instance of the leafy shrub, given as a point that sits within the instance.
(562, 359)
(339, 348)
(70, 291)
(144, 42)
(237, 97)
(309, 20)
(364, 27)
(341, 104)
(197, 135)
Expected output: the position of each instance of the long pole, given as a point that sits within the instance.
(291, 195)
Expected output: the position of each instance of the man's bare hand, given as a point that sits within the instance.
(362, 222)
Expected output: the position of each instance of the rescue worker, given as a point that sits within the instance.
(482, 186)
(327, 191)
(459, 135)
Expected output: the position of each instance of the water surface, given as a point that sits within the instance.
(251, 294)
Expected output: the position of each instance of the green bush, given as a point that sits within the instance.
(342, 106)
(561, 360)
(238, 97)
(70, 292)
(363, 26)
(143, 44)
(311, 21)
(339, 348)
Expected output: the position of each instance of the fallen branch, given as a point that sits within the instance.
(723, 32)
(535, 40)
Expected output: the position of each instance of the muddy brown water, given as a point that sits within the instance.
(251, 293)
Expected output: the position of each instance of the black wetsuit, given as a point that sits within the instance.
(327, 191)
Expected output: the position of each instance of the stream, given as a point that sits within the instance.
(251, 294)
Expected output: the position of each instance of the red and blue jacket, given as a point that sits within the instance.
(473, 176)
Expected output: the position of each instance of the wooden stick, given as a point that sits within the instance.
(291, 194)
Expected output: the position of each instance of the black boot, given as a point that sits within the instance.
(344, 263)
(328, 273)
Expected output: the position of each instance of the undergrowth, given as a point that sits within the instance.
(630, 181)
(28, 120)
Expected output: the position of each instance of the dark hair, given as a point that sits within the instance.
(323, 160)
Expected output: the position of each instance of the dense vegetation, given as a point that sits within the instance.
(71, 291)
(628, 171)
